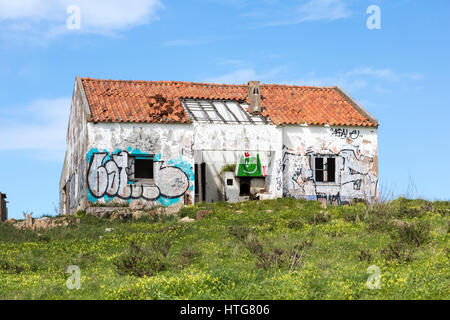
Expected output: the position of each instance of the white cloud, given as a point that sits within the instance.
(385, 74)
(358, 78)
(39, 127)
(323, 10)
(48, 17)
(312, 10)
(197, 41)
(184, 43)
(234, 62)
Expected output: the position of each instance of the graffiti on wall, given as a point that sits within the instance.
(279, 175)
(110, 175)
(344, 133)
(355, 177)
(297, 175)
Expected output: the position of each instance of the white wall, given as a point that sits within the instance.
(72, 182)
(356, 152)
(110, 146)
(221, 144)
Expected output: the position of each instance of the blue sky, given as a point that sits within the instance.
(400, 73)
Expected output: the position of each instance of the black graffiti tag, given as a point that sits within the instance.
(345, 133)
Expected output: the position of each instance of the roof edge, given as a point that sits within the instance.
(357, 106)
(87, 107)
(243, 85)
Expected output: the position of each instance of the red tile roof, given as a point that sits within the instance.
(159, 101)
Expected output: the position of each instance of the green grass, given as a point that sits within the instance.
(242, 251)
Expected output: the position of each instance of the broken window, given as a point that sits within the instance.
(143, 168)
(221, 111)
(325, 169)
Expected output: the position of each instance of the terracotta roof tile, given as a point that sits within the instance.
(159, 101)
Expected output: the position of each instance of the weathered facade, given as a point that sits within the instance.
(174, 143)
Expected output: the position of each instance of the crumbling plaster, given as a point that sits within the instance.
(72, 182)
(220, 144)
(356, 153)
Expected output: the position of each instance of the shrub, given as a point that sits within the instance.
(253, 245)
(399, 252)
(442, 207)
(407, 208)
(415, 233)
(365, 255)
(162, 217)
(10, 268)
(141, 262)
(288, 257)
(186, 257)
(240, 232)
(295, 224)
(354, 214)
(188, 211)
(80, 213)
(228, 168)
(318, 218)
(378, 216)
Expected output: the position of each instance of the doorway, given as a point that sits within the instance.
(200, 182)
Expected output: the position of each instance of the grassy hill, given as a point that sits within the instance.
(275, 249)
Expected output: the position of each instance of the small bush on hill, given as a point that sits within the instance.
(288, 257)
(399, 252)
(296, 223)
(366, 255)
(414, 233)
(186, 257)
(319, 218)
(141, 261)
(10, 268)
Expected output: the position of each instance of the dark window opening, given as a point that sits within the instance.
(325, 169)
(244, 189)
(200, 184)
(229, 182)
(143, 169)
(331, 170)
(319, 170)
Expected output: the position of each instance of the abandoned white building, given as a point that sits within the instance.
(170, 143)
